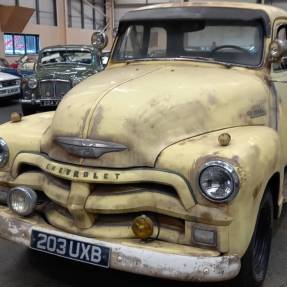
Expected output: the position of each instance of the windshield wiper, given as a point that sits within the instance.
(201, 59)
(209, 60)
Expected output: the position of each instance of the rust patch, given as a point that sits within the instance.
(257, 111)
(256, 191)
(236, 159)
(206, 216)
(242, 175)
(84, 120)
(212, 100)
(97, 120)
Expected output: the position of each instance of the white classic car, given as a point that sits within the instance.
(9, 85)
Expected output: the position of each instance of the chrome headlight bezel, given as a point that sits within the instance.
(4, 153)
(228, 169)
(32, 83)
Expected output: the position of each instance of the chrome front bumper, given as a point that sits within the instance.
(132, 257)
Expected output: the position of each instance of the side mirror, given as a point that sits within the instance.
(278, 49)
(99, 40)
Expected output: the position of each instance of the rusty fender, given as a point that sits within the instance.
(130, 258)
(255, 153)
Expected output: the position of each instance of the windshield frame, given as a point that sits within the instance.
(125, 24)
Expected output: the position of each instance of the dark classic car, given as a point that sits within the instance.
(58, 69)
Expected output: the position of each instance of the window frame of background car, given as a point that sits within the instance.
(26, 38)
(82, 16)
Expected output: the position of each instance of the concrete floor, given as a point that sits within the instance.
(20, 267)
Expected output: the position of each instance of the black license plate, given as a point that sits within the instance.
(48, 103)
(77, 250)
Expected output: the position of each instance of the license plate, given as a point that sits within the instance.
(73, 249)
(47, 103)
(13, 91)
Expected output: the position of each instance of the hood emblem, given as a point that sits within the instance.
(88, 148)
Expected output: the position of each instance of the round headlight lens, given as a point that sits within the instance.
(22, 200)
(32, 83)
(4, 153)
(219, 181)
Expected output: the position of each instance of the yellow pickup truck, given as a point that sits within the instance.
(170, 163)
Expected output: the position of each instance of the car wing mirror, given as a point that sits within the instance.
(277, 50)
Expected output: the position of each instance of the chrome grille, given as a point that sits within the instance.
(54, 89)
(9, 83)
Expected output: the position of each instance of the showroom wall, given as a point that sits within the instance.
(58, 22)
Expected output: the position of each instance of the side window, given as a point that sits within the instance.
(281, 35)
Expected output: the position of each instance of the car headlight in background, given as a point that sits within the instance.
(32, 83)
(219, 181)
(4, 153)
(18, 82)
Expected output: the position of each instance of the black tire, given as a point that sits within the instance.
(254, 263)
(28, 110)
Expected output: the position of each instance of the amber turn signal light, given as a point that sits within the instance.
(143, 227)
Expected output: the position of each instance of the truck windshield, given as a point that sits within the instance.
(235, 42)
(66, 57)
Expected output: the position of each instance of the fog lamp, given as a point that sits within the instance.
(22, 200)
(143, 227)
(204, 237)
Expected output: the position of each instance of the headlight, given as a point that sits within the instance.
(219, 181)
(18, 82)
(32, 83)
(4, 153)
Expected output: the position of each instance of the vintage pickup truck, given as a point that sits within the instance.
(170, 163)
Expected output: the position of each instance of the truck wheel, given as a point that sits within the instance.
(28, 110)
(255, 261)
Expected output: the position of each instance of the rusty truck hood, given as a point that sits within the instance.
(148, 107)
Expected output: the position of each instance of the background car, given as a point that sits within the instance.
(9, 86)
(58, 69)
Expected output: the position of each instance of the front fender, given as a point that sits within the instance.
(25, 136)
(254, 151)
